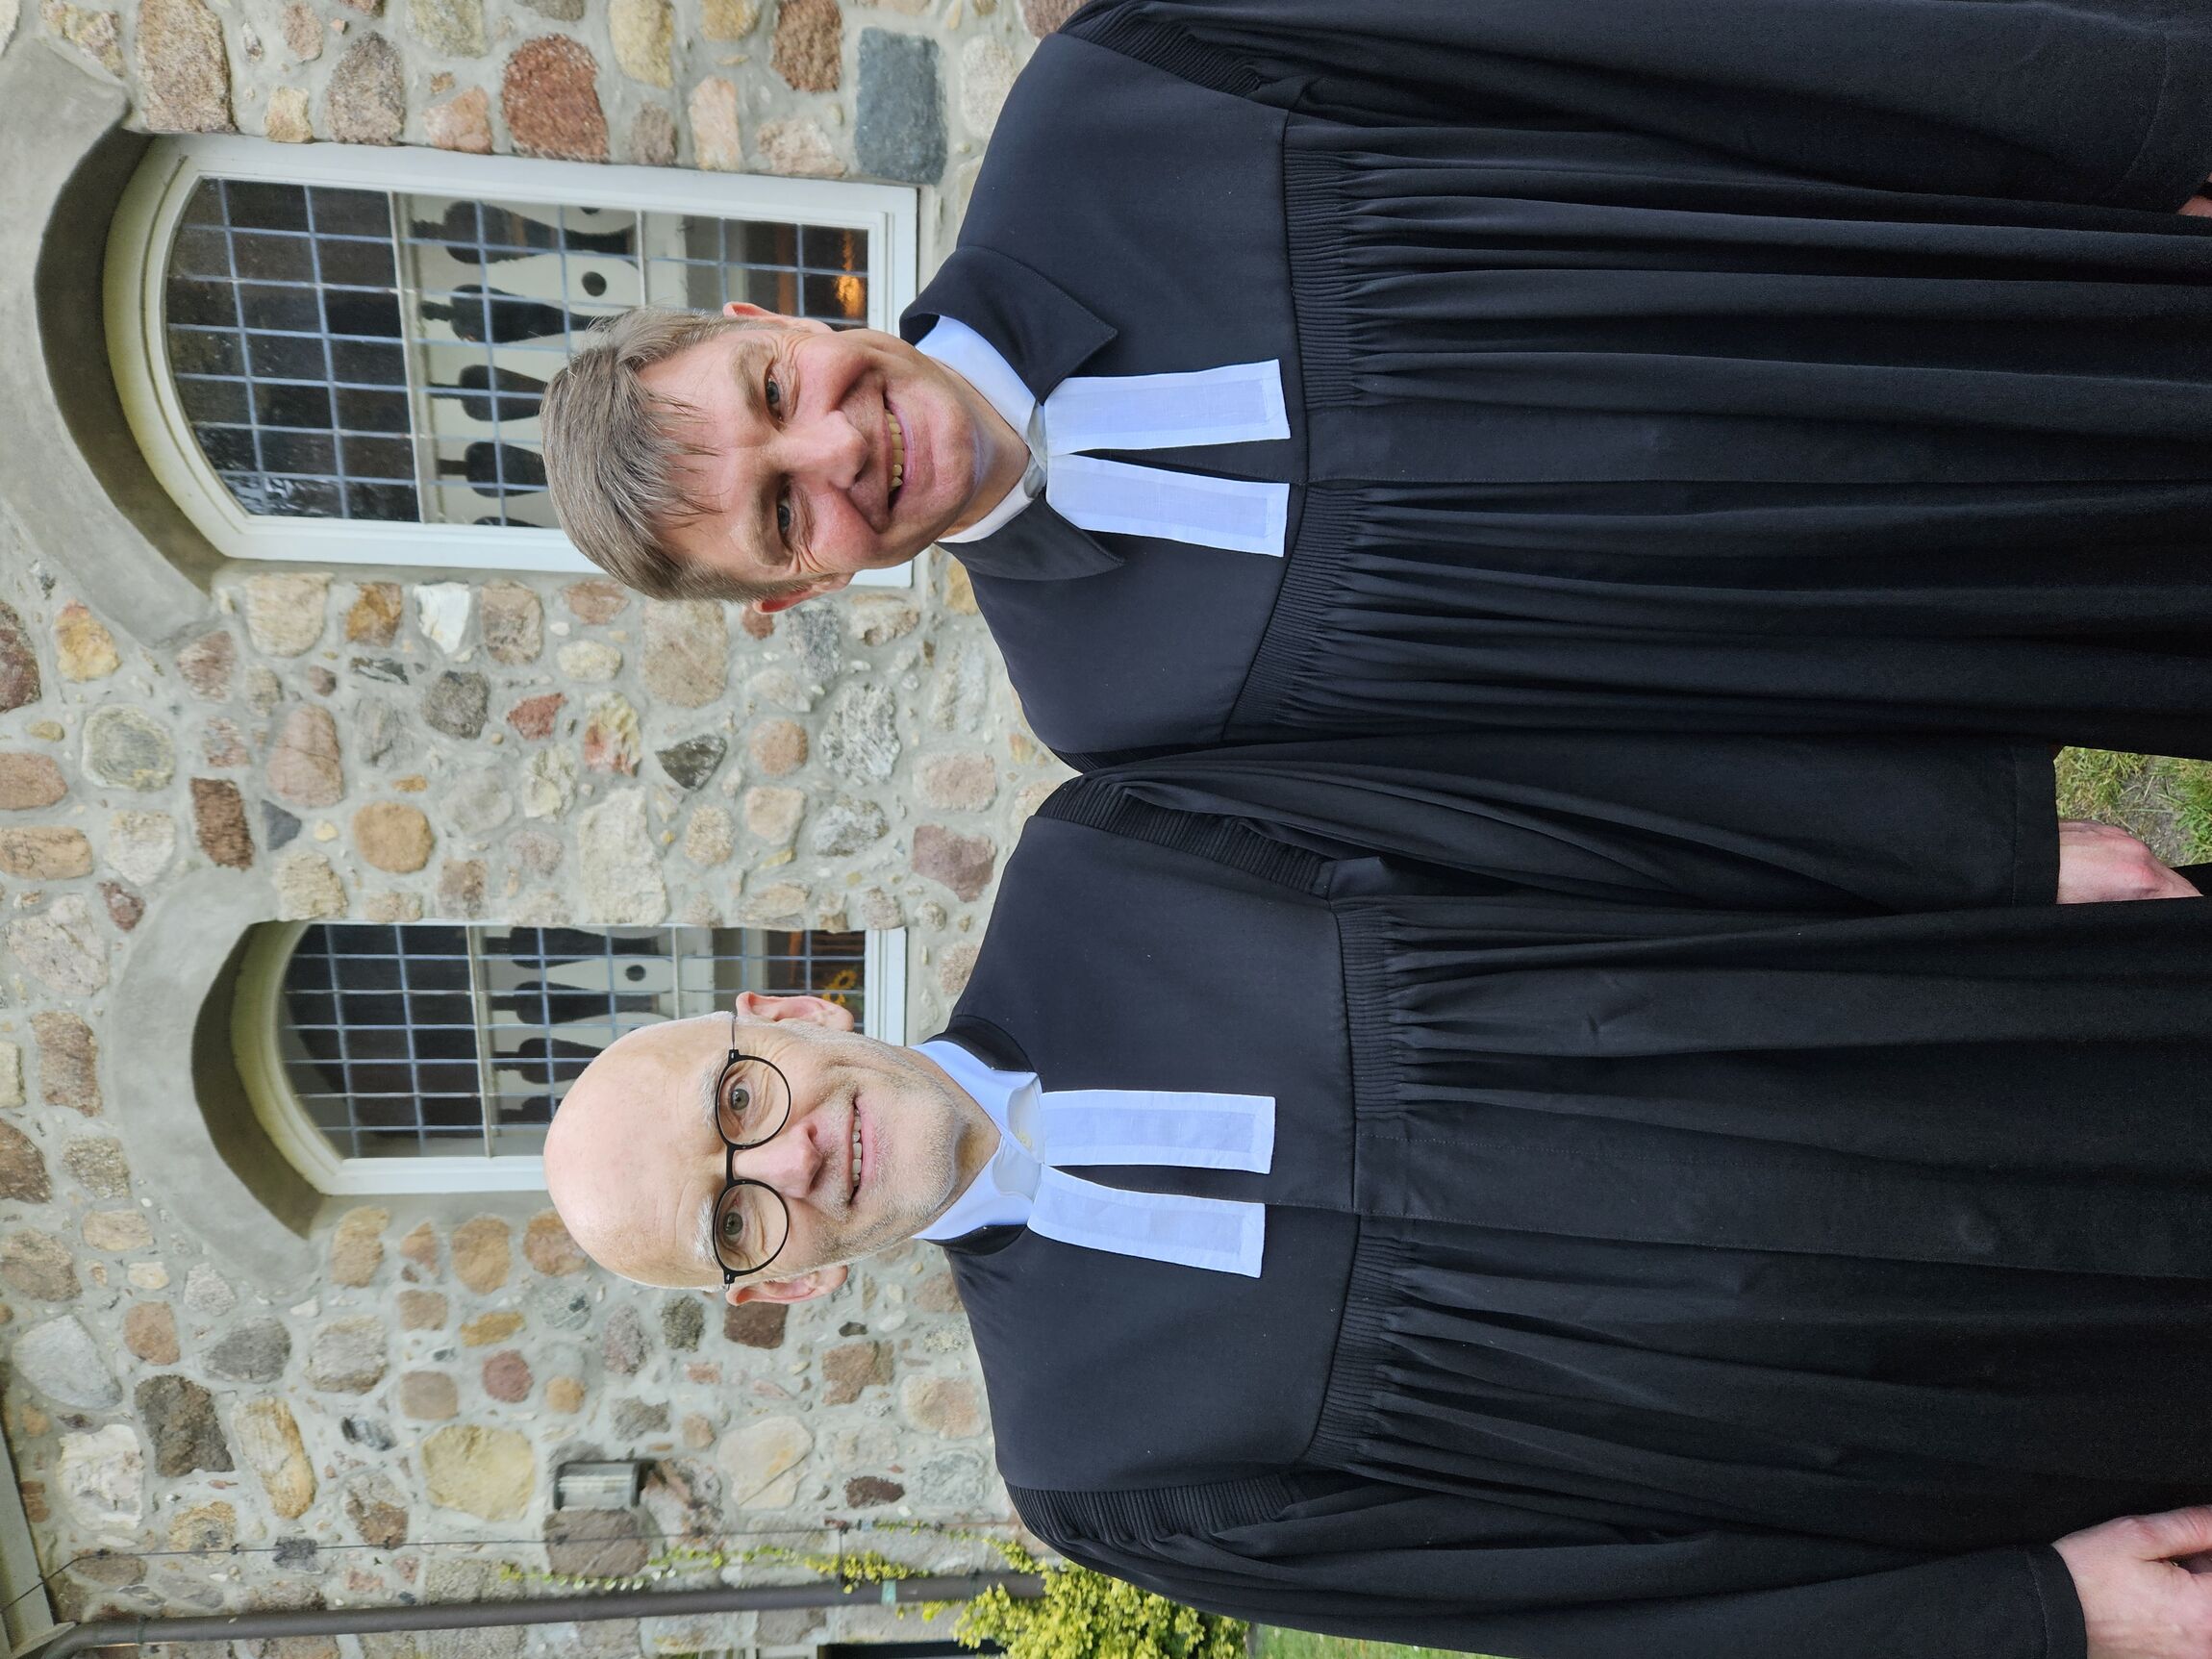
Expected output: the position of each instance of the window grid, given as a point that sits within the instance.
(356, 471)
(374, 1052)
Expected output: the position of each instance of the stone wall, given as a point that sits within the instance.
(513, 750)
(380, 1419)
(904, 90)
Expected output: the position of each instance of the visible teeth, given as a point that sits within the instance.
(855, 1154)
(897, 451)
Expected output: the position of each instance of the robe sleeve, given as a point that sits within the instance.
(1449, 1570)
(1885, 824)
(2102, 102)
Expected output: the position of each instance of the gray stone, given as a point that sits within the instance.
(206, 1294)
(60, 948)
(389, 669)
(98, 1166)
(861, 737)
(279, 828)
(308, 888)
(457, 704)
(623, 1343)
(454, 27)
(599, 1543)
(304, 765)
(845, 825)
(18, 663)
(686, 652)
(141, 844)
(284, 609)
(634, 1418)
(682, 1322)
(987, 71)
(184, 73)
(901, 134)
(180, 1416)
(129, 750)
(817, 637)
(253, 1352)
(60, 1359)
(367, 103)
(347, 1355)
(297, 1551)
(560, 10)
(653, 138)
(692, 762)
(617, 865)
(479, 804)
(511, 618)
(369, 1432)
(562, 1308)
(102, 1479)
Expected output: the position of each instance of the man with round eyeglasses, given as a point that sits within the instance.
(1454, 1219)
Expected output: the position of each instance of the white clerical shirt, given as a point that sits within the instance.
(1040, 1130)
(1235, 403)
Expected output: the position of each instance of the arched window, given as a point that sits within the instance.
(430, 1056)
(336, 353)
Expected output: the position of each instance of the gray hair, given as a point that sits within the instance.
(611, 448)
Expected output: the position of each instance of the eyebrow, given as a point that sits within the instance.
(704, 1238)
(750, 358)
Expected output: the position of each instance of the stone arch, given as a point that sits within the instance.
(71, 471)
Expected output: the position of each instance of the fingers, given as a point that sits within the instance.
(2099, 863)
(2168, 1536)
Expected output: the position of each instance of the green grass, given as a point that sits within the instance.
(2166, 802)
(1304, 1645)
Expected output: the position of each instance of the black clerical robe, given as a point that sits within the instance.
(1707, 365)
(1642, 1276)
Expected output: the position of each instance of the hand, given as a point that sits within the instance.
(2098, 864)
(2144, 1583)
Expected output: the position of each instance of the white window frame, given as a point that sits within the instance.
(145, 223)
(257, 1021)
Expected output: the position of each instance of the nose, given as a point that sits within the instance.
(790, 1161)
(827, 450)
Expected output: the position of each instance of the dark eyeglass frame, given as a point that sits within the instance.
(731, 1179)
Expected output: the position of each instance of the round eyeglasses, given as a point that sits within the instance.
(751, 1222)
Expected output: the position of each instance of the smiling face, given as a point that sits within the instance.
(878, 1144)
(820, 453)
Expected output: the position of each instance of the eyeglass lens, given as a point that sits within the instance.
(752, 1102)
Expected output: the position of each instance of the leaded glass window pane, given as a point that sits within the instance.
(354, 354)
(434, 1040)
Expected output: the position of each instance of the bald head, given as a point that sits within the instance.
(878, 1142)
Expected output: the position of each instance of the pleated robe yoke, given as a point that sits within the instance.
(1637, 1279)
(1892, 423)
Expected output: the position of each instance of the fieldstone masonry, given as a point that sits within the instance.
(388, 746)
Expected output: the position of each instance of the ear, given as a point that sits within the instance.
(775, 602)
(738, 310)
(811, 1010)
(805, 1288)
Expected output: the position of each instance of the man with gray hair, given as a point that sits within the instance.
(1635, 365)
(1472, 1214)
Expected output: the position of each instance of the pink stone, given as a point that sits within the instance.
(548, 94)
(962, 863)
(462, 123)
(533, 716)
